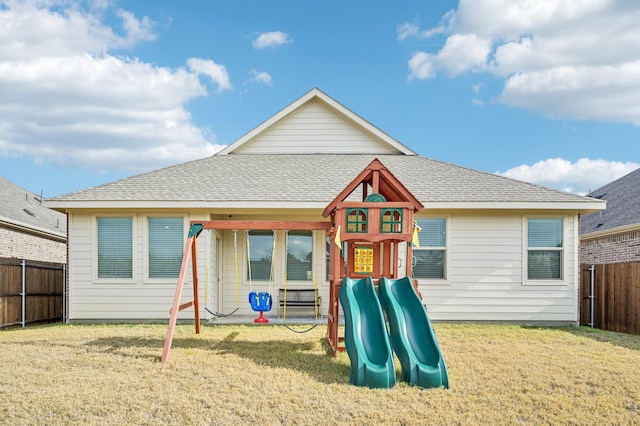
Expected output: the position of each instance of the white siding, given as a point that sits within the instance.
(486, 267)
(484, 275)
(315, 129)
(136, 299)
(144, 299)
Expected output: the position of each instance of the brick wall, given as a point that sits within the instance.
(618, 248)
(22, 245)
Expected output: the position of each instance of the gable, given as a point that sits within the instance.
(314, 129)
(316, 124)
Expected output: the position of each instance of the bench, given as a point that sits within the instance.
(300, 297)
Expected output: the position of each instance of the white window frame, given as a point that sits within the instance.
(313, 254)
(447, 251)
(563, 251)
(145, 244)
(94, 260)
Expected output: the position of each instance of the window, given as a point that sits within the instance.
(391, 220)
(299, 255)
(166, 239)
(430, 259)
(260, 252)
(115, 247)
(357, 220)
(544, 249)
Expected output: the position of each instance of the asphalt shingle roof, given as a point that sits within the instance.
(312, 177)
(23, 208)
(623, 205)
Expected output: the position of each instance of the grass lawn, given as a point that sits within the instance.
(111, 374)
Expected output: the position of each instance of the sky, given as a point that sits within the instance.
(544, 91)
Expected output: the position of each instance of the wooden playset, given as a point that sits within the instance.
(370, 222)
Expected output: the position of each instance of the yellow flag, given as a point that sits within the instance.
(337, 239)
(415, 241)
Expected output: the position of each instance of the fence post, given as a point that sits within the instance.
(24, 292)
(592, 296)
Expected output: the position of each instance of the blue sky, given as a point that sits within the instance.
(93, 91)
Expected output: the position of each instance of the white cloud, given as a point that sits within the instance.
(422, 66)
(260, 77)
(271, 39)
(477, 90)
(460, 53)
(564, 58)
(580, 177)
(607, 93)
(65, 99)
(136, 30)
(217, 73)
(463, 52)
(412, 29)
(32, 29)
(407, 30)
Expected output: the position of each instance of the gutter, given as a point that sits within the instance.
(581, 207)
(610, 231)
(61, 237)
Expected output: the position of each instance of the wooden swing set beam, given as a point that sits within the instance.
(269, 225)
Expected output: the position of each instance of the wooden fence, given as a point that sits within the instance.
(616, 297)
(31, 292)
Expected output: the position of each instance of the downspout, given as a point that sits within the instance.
(64, 293)
(24, 292)
(207, 272)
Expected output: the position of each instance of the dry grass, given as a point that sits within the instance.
(269, 375)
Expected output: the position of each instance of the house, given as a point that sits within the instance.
(491, 248)
(29, 230)
(613, 235)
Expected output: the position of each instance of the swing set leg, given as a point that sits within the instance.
(261, 319)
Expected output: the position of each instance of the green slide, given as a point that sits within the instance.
(412, 336)
(365, 335)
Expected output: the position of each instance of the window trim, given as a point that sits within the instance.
(564, 267)
(447, 252)
(145, 245)
(134, 257)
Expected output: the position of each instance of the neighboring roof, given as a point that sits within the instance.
(316, 95)
(22, 209)
(312, 181)
(623, 205)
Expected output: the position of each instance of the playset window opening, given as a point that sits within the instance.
(357, 220)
